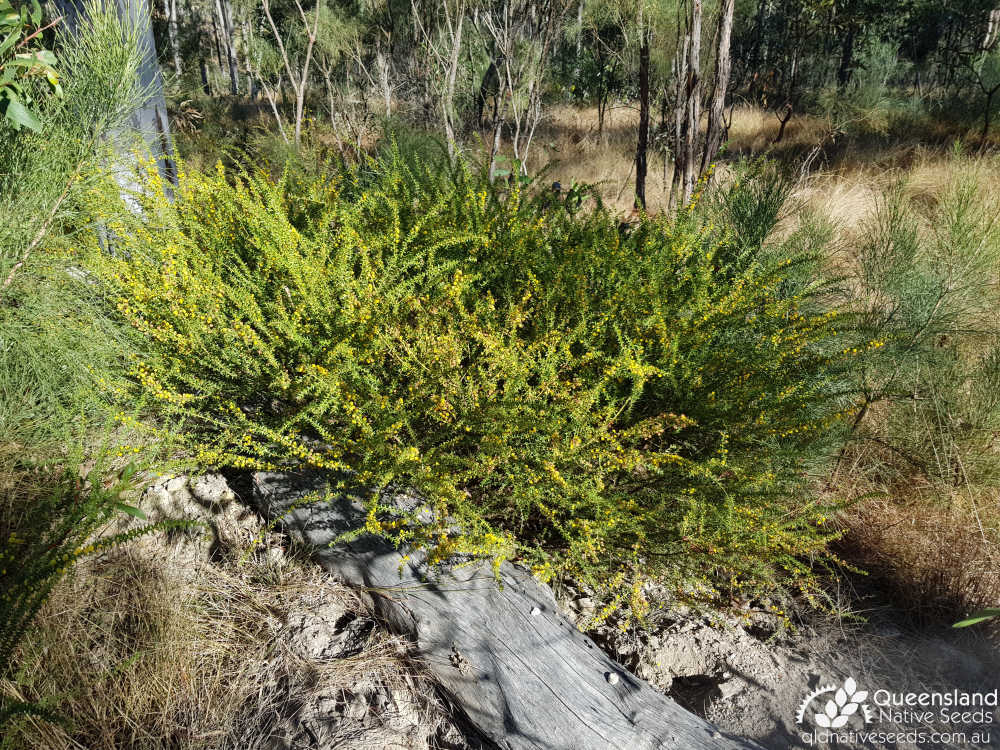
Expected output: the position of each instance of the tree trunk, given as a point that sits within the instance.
(716, 115)
(693, 102)
(642, 147)
(987, 113)
(150, 119)
(680, 109)
(203, 70)
(170, 11)
(522, 673)
(578, 59)
(225, 13)
(846, 58)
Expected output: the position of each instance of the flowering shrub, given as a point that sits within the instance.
(606, 404)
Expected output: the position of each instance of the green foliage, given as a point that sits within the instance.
(56, 349)
(22, 58)
(926, 288)
(978, 617)
(40, 171)
(607, 405)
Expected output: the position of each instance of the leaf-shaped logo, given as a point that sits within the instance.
(846, 701)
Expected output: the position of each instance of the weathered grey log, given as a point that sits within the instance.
(522, 673)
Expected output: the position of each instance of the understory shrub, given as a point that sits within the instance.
(592, 401)
(924, 282)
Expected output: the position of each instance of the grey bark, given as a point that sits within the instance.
(693, 101)
(225, 13)
(170, 10)
(522, 673)
(716, 114)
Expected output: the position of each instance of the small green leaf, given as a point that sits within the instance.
(130, 510)
(21, 116)
(977, 618)
(129, 471)
(10, 41)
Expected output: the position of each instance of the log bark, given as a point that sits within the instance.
(521, 672)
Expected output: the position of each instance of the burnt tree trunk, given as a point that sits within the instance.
(642, 147)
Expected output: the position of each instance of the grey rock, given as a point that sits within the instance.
(212, 490)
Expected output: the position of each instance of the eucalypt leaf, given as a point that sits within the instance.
(21, 58)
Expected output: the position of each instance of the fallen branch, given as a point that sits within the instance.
(521, 672)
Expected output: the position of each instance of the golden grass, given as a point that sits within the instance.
(569, 147)
(938, 557)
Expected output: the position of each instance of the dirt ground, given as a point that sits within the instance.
(753, 681)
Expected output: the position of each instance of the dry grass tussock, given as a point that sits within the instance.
(939, 559)
(161, 645)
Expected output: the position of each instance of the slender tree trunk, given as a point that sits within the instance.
(846, 58)
(642, 147)
(195, 14)
(716, 115)
(203, 70)
(680, 110)
(385, 82)
(170, 11)
(987, 113)
(225, 13)
(448, 100)
(216, 36)
(578, 60)
(693, 102)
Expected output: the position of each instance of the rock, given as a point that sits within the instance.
(175, 484)
(328, 632)
(212, 490)
(731, 688)
(156, 496)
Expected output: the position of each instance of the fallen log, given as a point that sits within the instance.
(522, 673)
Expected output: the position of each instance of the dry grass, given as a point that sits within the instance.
(570, 148)
(938, 558)
(155, 646)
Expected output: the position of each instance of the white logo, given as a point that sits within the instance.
(842, 706)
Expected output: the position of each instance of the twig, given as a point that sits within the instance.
(42, 230)
(36, 32)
